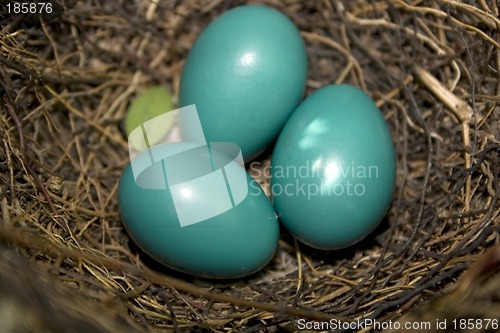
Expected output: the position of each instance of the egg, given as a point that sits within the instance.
(333, 168)
(195, 210)
(245, 73)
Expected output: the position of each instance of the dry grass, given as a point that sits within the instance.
(433, 68)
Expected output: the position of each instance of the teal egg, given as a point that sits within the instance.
(333, 168)
(192, 223)
(245, 73)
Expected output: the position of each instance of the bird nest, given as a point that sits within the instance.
(67, 263)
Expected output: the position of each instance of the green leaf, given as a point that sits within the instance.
(153, 102)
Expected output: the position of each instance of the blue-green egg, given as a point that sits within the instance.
(195, 210)
(333, 168)
(245, 73)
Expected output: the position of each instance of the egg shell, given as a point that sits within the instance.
(245, 73)
(235, 243)
(333, 168)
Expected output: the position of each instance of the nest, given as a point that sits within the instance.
(68, 265)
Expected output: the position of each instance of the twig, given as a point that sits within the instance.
(460, 109)
(65, 80)
(299, 264)
(37, 242)
(333, 44)
(22, 148)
